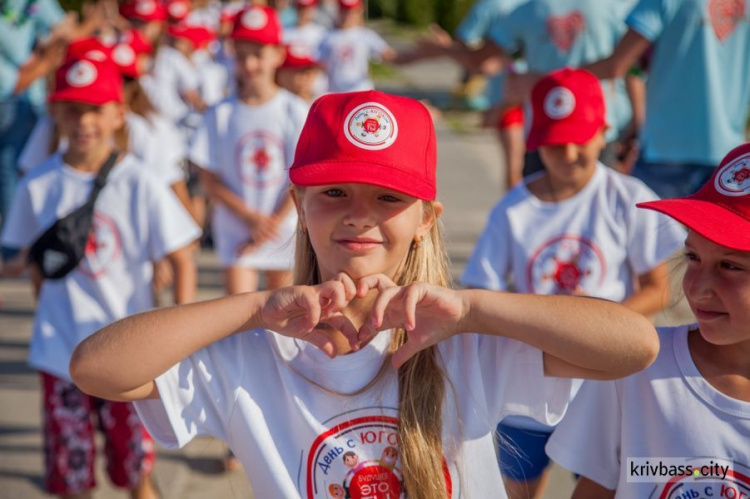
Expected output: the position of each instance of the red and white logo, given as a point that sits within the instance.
(736, 483)
(104, 246)
(255, 19)
(178, 10)
(371, 126)
(565, 265)
(145, 7)
(123, 55)
(260, 157)
(359, 459)
(564, 30)
(725, 15)
(559, 103)
(734, 178)
(81, 74)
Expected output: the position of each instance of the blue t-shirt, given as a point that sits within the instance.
(556, 33)
(25, 22)
(698, 90)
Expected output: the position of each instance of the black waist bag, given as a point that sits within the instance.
(61, 247)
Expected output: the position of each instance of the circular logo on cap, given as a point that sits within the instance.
(95, 55)
(123, 55)
(734, 178)
(81, 74)
(145, 7)
(255, 19)
(371, 126)
(559, 103)
(177, 9)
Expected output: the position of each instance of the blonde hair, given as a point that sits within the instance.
(421, 380)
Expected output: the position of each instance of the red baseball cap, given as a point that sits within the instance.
(178, 9)
(568, 107)
(88, 48)
(89, 81)
(298, 57)
(137, 41)
(199, 36)
(143, 10)
(368, 138)
(720, 210)
(349, 4)
(257, 24)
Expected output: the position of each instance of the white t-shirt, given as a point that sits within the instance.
(137, 220)
(172, 75)
(310, 35)
(595, 243)
(293, 437)
(346, 54)
(666, 411)
(155, 142)
(250, 148)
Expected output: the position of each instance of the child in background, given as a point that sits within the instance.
(299, 73)
(146, 16)
(572, 229)
(243, 148)
(692, 406)
(137, 220)
(306, 32)
(364, 185)
(347, 50)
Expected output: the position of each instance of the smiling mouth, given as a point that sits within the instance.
(358, 244)
(707, 315)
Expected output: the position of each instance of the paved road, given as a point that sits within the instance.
(469, 182)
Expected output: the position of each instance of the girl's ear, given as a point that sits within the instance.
(429, 218)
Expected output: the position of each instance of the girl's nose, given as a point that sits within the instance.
(699, 283)
(358, 214)
(571, 153)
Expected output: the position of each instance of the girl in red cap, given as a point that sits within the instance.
(681, 428)
(136, 220)
(310, 384)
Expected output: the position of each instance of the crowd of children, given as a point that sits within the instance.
(342, 362)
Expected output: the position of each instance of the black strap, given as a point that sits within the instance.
(101, 177)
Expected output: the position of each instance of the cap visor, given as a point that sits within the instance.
(86, 97)
(710, 220)
(561, 133)
(362, 173)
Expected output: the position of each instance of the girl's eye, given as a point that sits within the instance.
(333, 193)
(390, 198)
(730, 266)
(689, 255)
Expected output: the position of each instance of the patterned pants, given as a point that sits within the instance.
(70, 421)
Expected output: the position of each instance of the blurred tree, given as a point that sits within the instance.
(447, 13)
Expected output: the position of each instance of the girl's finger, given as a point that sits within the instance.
(332, 297)
(382, 302)
(343, 324)
(349, 287)
(311, 304)
(320, 340)
(414, 294)
(375, 281)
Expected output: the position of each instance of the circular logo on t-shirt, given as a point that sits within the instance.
(81, 74)
(255, 19)
(734, 178)
(123, 55)
(103, 247)
(260, 157)
(177, 9)
(145, 7)
(565, 265)
(559, 103)
(371, 126)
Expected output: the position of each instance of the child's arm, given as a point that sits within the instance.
(653, 293)
(580, 337)
(185, 277)
(263, 226)
(589, 489)
(121, 361)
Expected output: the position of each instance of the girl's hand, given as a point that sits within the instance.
(296, 312)
(428, 313)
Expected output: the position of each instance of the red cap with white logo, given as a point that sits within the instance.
(720, 210)
(257, 24)
(143, 10)
(88, 81)
(349, 4)
(298, 57)
(199, 36)
(568, 107)
(368, 138)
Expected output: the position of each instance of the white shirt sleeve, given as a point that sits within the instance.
(21, 227)
(197, 395)
(587, 441)
(490, 263)
(376, 44)
(170, 150)
(170, 227)
(297, 116)
(652, 237)
(37, 146)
